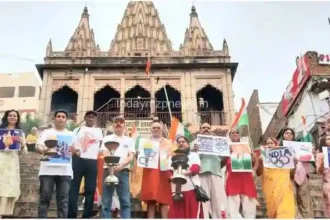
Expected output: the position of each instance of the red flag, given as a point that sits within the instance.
(241, 109)
(148, 66)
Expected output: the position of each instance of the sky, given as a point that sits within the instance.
(263, 37)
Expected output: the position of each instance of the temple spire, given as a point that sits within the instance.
(49, 49)
(82, 42)
(196, 41)
(140, 32)
(225, 49)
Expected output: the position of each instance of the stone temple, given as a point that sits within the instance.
(196, 77)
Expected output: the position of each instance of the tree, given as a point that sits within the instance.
(28, 122)
(71, 125)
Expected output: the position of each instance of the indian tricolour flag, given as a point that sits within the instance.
(241, 118)
(307, 136)
(178, 129)
(135, 135)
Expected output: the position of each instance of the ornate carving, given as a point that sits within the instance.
(141, 28)
(113, 83)
(196, 41)
(145, 83)
(174, 83)
(59, 83)
(82, 42)
(216, 83)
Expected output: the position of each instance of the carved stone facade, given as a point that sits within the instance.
(140, 36)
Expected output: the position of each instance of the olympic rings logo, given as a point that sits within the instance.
(278, 158)
(146, 158)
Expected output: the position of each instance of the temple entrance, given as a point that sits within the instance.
(210, 105)
(65, 98)
(162, 107)
(107, 104)
(137, 103)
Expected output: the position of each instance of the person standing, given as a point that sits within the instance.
(156, 187)
(9, 169)
(126, 152)
(211, 180)
(31, 139)
(58, 175)
(240, 188)
(87, 138)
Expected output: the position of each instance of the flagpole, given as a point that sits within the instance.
(167, 102)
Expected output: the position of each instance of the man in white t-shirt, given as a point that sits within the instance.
(88, 139)
(126, 152)
(58, 170)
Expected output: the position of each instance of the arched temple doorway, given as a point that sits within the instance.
(107, 104)
(137, 103)
(162, 107)
(67, 99)
(210, 105)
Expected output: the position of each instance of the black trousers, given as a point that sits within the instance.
(47, 184)
(86, 168)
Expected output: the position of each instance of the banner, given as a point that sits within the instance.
(9, 139)
(148, 154)
(213, 145)
(63, 155)
(240, 157)
(326, 156)
(302, 150)
(281, 157)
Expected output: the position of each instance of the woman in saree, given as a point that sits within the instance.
(300, 181)
(324, 142)
(277, 188)
(9, 166)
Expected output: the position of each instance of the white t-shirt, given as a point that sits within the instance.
(88, 140)
(53, 169)
(126, 146)
(193, 159)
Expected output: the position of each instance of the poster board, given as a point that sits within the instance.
(9, 139)
(213, 145)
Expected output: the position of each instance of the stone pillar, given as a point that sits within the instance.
(226, 100)
(230, 98)
(91, 91)
(153, 99)
(81, 96)
(184, 98)
(122, 96)
(46, 97)
(193, 101)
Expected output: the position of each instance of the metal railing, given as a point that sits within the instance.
(212, 117)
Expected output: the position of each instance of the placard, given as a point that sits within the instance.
(326, 156)
(213, 145)
(148, 154)
(63, 154)
(9, 139)
(280, 157)
(240, 157)
(302, 150)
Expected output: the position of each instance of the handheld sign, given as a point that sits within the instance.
(213, 145)
(240, 157)
(9, 139)
(326, 156)
(281, 157)
(302, 150)
(63, 156)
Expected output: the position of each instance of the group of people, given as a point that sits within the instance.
(231, 194)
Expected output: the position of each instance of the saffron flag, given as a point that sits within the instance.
(178, 129)
(148, 66)
(307, 136)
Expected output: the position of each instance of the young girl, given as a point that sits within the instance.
(277, 188)
(324, 142)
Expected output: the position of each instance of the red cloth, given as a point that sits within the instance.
(194, 169)
(187, 208)
(239, 183)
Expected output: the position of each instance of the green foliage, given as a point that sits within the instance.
(28, 122)
(71, 125)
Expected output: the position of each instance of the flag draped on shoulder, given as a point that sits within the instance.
(307, 136)
(178, 129)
